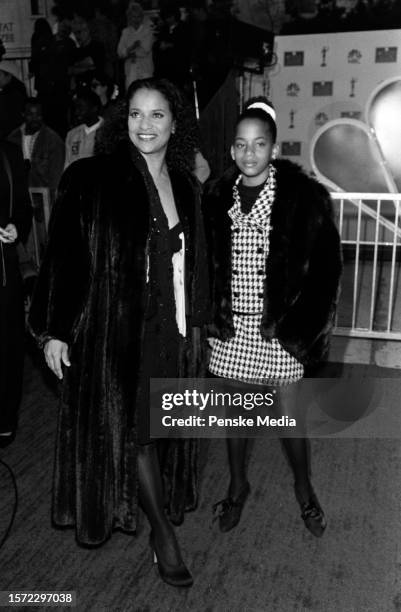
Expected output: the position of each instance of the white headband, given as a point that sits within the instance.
(264, 107)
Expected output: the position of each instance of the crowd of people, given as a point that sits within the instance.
(90, 50)
(82, 65)
(85, 46)
(329, 16)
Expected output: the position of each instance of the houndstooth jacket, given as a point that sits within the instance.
(303, 265)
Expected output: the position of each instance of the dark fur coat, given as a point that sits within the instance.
(92, 294)
(15, 207)
(303, 267)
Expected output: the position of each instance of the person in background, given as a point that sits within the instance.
(88, 58)
(113, 308)
(43, 152)
(197, 23)
(103, 87)
(172, 49)
(42, 148)
(50, 59)
(12, 98)
(43, 64)
(80, 140)
(15, 223)
(219, 47)
(276, 266)
(105, 31)
(57, 108)
(61, 12)
(135, 45)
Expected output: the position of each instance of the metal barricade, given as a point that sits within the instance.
(370, 300)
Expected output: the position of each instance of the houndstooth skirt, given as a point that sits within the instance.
(250, 358)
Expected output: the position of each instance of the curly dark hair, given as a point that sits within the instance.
(183, 143)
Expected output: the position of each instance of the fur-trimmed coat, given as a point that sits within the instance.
(92, 293)
(303, 267)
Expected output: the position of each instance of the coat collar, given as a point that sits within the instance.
(128, 165)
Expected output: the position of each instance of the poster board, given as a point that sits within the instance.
(321, 77)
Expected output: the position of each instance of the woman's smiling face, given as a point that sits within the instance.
(150, 121)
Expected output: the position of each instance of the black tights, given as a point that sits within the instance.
(151, 500)
(236, 450)
(296, 449)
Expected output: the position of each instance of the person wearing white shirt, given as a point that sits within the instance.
(135, 45)
(80, 141)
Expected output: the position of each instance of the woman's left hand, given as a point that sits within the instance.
(8, 234)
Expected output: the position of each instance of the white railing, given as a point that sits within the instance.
(370, 301)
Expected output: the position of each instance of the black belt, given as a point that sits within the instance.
(247, 314)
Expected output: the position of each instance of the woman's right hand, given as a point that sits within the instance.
(56, 354)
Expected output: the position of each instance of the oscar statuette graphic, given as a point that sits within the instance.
(324, 56)
(353, 82)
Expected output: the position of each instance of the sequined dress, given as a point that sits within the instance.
(162, 340)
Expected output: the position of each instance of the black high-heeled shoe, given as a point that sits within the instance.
(312, 514)
(231, 509)
(174, 575)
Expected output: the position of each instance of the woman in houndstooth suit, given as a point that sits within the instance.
(275, 269)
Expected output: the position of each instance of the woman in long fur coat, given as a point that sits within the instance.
(15, 223)
(275, 268)
(109, 292)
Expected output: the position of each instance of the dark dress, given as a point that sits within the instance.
(161, 335)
